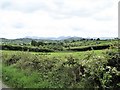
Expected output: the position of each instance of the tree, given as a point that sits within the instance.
(98, 39)
(33, 43)
(41, 43)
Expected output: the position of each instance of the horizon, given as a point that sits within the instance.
(50, 18)
(59, 37)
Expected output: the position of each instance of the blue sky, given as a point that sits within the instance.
(54, 18)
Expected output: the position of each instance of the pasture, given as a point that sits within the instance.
(64, 67)
(57, 69)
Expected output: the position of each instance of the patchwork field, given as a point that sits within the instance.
(62, 69)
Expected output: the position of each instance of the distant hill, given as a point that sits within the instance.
(16, 41)
(74, 38)
(27, 40)
(66, 37)
(49, 38)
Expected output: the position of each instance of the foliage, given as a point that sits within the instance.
(36, 71)
(55, 64)
(25, 48)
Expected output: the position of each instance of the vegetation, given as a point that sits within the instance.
(59, 45)
(67, 68)
(25, 48)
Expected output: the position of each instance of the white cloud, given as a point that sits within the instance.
(47, 18)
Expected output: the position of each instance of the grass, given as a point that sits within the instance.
(47, 70)
(19, 78)
(22, 69)
(59, 54)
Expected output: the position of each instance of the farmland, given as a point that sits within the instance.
(67, 63)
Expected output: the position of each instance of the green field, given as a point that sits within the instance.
(42, 75)
(62, 69)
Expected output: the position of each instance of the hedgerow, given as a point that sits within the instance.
(93, 71)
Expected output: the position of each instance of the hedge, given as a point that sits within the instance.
(23, 48)
(90, 48)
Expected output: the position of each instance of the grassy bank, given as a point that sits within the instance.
(16, 78)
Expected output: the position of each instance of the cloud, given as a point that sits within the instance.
(26, 6)
(18, 25)
(46, 18)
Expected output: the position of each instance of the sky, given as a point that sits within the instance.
(54, 18)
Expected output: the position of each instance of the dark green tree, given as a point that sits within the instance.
(98, 39)
(33, 43)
